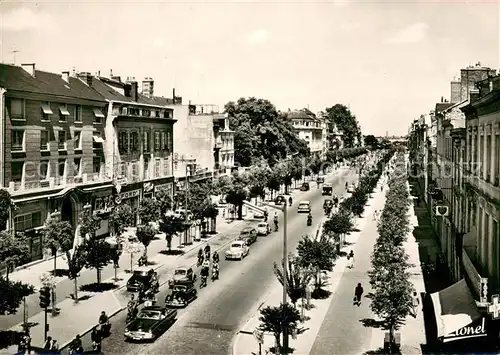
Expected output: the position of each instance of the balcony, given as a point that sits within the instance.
(18, 188)
(203, 110)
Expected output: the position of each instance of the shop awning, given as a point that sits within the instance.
(98, 139)
(454, 308)
(64, 111)
(46, 109)
(98, 113)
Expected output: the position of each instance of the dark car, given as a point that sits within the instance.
(249, 235)
(182, 274)
(181, 295)
(142, 276)
(305, 186)
(320, 179)
(150, 323)
(279, 200)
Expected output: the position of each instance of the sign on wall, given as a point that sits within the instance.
(130, 194)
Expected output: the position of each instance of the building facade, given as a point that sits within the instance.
(52, 126)
(309, 128)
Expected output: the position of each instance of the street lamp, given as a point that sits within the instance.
(284, 209)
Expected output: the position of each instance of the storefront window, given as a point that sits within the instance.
(28, 221)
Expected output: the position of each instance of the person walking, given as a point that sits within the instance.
(54, 347)
(358, 293)
(96, 338)
(350, 258)
(48, 343)
(415, 302)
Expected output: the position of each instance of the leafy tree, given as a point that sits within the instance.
(58, 235)
(276, 319)
(98, 254)
(149, 210)
(371, 140)
(13, 250)
(76, 262)
(89, 224)
(211, 212)
(316, 254)
(5, 208)
(146, 234)
(238, 193)
(297, 278)
(165, 201)
(341, 116)
(358, 203)
(171, 225)
(274, 180)
(12, 294)
(120, 218)
(222, 185)
(258, 177)
(244, 145)
(338, 224)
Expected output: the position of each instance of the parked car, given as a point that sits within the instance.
(263, 228)
(142, 276)
(304, 207)
(150, 323)
(238, 250)
(182, 295)
(249, 235)
(305, 186)
(279, 200)
(182, 275)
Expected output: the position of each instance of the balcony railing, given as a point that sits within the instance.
(17, 187)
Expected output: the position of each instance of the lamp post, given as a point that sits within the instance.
(186, 205)
(284, 209)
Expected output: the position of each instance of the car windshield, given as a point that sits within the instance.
(245, 232)
(140, 274)
(180, 272)
(262, 225)
(236, 245)
(150, 315)
(303, 204)
(179, 288)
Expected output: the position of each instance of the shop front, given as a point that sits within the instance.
(148, 190)
(131, 195)
(168, 187)
(102, 203)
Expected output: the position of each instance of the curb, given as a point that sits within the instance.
(88, 330)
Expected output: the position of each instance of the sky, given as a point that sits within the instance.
(389, 61)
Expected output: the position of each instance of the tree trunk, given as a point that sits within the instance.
(169, 243)
(391, 338)
(131, 262)
(286, 189)
(240, 211)
(76, 289)
(54, 252)
(146, 254)
(98, 270)
(277, 339)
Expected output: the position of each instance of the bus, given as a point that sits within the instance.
(327, 189)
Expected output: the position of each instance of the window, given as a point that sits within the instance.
(77, 139)
(497, 163)
(145, 142)
(133, 111)
(44, 140)
(157, 141)
(17, 140)
(487, 163)
(63, 113)
(123, 142)
(123, 170)
(44, 170)
(77, 166)
(164, 141)
(96, 165)
(46, 111)
(157, 167)
(97, 140)
(62, 140)
(27, 221)
(135, 170)
(61, 167)
(169, 141)
(78, 113)
(16, 109)
(98, 115)
(135, 141)
(17, 171)
(146, 113)
(166, 167)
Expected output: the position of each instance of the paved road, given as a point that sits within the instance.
(343, 331)
(208, 325)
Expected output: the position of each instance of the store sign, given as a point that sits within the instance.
(167, 186)
(474, 330)
(130, 194)
(148, 187)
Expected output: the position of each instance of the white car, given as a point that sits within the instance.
(238, 250)
(263, 228)
(304, 206)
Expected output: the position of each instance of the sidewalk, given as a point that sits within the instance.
(245, 343)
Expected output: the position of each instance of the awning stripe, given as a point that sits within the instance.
(46, 109)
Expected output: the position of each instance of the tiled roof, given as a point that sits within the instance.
(99, 85)
(155, 100)
(16, 78)
(303, 114)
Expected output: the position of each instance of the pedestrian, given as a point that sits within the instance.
(358, 292)
(223, 213)
(96, 338)
(351, 258)
(415, 303)
(54, 347)
(48, 343)
(375, 215)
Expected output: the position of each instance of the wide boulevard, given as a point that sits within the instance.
(208, 325)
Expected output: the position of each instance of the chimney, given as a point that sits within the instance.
(30, 68)
(65, 76)
(73, 72)
(86, 77)
(473, 95)
(173, 94)
(134, 90)
(148, 87)
(111, 73)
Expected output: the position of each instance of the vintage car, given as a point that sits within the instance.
(182, 274)
(328, 205)
(150, 323)
(263, 228)
(305, 186)
(238, 250)
(181, 296)
(249, 235)
(279, 200)
(304, 207)
(327, 189)
(320, 179)
(142, 277)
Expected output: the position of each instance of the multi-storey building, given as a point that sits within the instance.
(138, 148)
(224, 145)
(52, 133)
(309, 128)
(481, 244)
